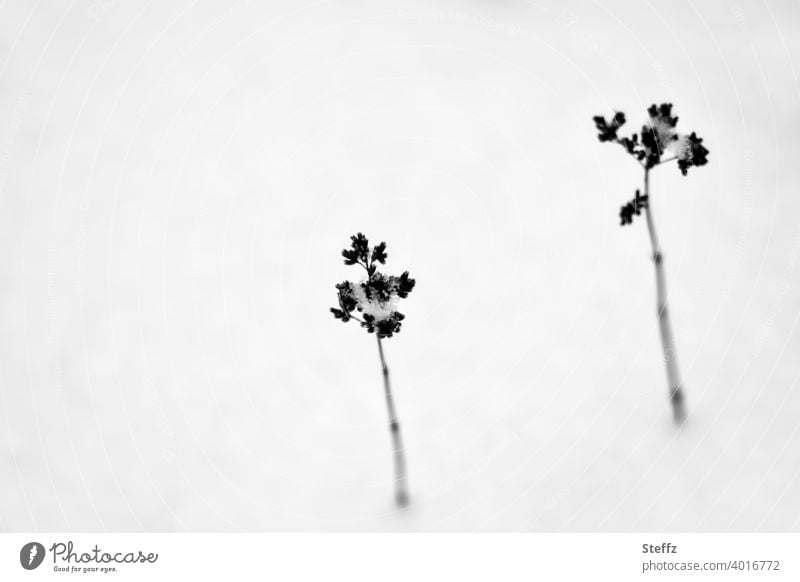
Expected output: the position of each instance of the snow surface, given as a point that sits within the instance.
(176, 183)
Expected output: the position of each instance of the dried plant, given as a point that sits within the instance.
(658, 143)
(372, 302)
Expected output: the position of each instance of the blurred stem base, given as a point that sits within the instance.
(676, 393)
(400, 472)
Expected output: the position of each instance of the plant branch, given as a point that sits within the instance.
(400, 474)
(665, 326)
(638, 161)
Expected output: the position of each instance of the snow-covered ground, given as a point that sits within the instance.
(176, 183)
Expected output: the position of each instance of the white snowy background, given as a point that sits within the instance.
(177, 181)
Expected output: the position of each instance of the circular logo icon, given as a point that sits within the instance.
(31, 555)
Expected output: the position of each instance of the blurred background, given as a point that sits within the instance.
(178, 179)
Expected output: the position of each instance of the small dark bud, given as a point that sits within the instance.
(379, 253)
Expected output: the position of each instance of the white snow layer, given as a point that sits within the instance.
(177, 181)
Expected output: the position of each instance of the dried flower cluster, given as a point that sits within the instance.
(657, 138)
(659, 141)
(633, 208)
(375, 297)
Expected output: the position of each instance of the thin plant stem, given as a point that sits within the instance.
(400, 473)
(676, 395)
